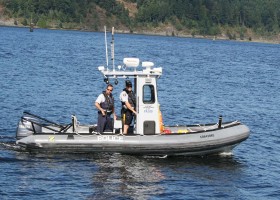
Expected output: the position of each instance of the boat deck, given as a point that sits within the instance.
(177, 129)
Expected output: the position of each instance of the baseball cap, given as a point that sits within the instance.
(128, 83)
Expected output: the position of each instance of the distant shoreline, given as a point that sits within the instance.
(274, 40)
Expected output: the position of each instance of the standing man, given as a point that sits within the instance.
(105, 106)
(128, 100)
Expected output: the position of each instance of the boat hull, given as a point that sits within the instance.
(198, 143)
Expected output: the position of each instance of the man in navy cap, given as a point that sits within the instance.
(128, 100)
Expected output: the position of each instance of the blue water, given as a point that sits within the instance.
(54, 74)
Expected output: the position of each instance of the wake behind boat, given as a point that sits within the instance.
(148, 135)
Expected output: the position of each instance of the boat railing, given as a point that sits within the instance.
(44, 123)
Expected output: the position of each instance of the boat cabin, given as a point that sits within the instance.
(148, 120)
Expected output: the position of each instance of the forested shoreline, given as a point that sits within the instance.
(238, 19)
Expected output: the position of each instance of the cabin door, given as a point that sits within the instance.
(147, 121)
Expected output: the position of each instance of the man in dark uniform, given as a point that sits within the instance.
(128, 100)
(105, 105)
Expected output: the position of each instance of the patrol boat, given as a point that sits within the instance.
(148, 135)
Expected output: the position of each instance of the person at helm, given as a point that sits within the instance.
(128, 101)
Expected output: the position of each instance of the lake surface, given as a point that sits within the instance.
(54, 74)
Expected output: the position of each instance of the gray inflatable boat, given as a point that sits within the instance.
(176, 140)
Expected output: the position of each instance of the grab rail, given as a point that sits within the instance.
(41, 118)
(62, 128)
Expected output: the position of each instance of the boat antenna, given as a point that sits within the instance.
(112, 49)
(106, 46)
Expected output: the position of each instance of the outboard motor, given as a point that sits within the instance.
(27, 126)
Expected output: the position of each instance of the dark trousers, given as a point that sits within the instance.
(104, 123)
(127, 117)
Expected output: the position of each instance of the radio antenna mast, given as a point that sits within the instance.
(106, 46)
(112, 49)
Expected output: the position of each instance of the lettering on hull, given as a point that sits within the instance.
(207, 136)
(109, 138)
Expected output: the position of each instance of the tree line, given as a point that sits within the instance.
(205, 17)
(46, 13)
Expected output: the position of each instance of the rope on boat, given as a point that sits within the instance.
(213, 126)
(205, 129)
(234, 122)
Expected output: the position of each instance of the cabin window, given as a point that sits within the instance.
(148, 94)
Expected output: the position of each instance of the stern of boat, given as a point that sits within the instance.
(26, 128)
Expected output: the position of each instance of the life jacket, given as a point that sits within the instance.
(108, 104)
(131, 98)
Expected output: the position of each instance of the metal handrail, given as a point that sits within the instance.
(41, 118)
(62, 128)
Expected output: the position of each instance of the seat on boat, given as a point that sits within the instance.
(117, 125)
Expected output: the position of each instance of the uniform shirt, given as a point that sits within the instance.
(124, 97)
(100, 99)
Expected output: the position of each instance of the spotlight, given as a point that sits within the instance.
(106, 80)
(116, 82)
